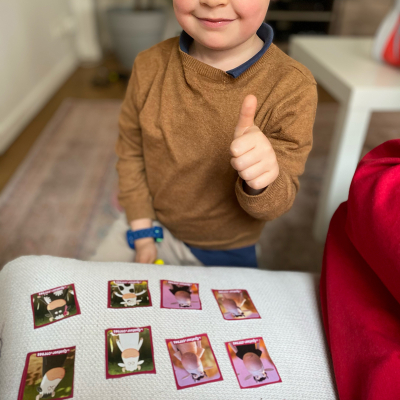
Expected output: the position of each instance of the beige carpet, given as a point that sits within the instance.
(60, 200)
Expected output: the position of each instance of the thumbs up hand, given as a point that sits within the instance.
(252, 153)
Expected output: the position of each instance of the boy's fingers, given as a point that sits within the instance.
(243, 144)
(247, 115)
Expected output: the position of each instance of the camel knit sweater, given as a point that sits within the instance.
(176, 127)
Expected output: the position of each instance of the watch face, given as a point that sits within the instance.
(158, 234)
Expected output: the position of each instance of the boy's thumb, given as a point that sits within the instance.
(247, 115)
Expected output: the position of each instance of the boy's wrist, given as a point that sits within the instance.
(143, 242)
(143, 223)
(250, 191)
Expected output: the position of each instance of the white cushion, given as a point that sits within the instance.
(287, 302)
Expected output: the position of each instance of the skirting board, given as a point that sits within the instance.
(33, 102)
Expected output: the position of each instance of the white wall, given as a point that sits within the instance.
(37, 54)
(41, 44)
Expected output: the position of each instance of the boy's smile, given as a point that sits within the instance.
(225, 44)
(215, 23)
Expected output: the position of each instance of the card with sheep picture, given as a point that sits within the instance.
(235, 304)
(48, 374)
(252, 363)
(129, 351)
(54, 305)
(180, 295)
(193, 361)
(125, 294)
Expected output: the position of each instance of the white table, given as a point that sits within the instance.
(345, 68)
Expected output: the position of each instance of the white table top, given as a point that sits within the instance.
(345, 65)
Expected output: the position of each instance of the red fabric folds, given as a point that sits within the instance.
(360, 281)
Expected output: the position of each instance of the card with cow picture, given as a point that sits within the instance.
(48, 374)
(193, 361)
(129, 351)
(128, 294)
(251, 362)
(235, 304)
(180, 295)
(54, 305)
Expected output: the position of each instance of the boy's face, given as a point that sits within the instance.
(246, 15)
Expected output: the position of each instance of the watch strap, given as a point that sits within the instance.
(155, 232)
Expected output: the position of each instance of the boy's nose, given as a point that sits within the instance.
(214, 3)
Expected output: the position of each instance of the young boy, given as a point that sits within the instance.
(215, 130)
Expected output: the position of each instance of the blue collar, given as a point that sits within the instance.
(264, 32)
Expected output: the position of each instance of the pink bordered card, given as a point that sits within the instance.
(48, 374)
(129, 351)
(125, 294)
(180, 295)
(235, 304)
(193, 361)
(251, 362)
(54, 305)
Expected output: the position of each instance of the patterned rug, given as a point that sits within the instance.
(60, 201)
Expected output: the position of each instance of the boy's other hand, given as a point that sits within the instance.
(252, 153)
(146, 251)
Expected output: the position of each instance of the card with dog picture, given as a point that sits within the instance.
(251, 362)
(129, 351)
(193, 361)
(54, 305)
(179, 295)
(235, 304)
(128, 294)
(48, 374)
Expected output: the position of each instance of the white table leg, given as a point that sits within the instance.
(350, 131)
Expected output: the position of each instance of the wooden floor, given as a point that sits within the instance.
(79, 85)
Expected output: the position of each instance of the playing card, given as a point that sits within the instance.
(193, 361)
(180, 295)
(129, 351)
(251, 362)
(48, 374)
(128, 294)
(54, 305)
(235, 304)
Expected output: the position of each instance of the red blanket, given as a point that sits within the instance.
(360, 282)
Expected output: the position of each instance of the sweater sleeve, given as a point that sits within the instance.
(134, 194)
(290, 133)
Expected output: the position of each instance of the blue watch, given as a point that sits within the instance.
(156, 232)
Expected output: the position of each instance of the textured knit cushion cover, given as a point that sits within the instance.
(287, 302)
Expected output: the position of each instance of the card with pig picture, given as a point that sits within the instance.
(129, 351)
(193, 361)
(179, 295)
(48, 374)
(54, 305)
(235, 304)
(251, 362)
(128, 294)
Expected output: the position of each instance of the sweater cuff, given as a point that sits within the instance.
(265, 204)
(138, 211)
